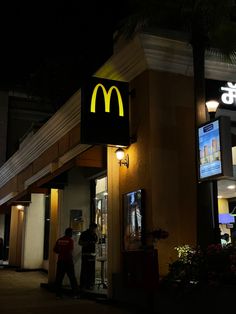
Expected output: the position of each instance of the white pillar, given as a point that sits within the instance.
(34, 233)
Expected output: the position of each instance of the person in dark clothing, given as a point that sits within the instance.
(65, 265)
(88, 240)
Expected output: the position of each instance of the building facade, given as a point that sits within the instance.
(61, 182)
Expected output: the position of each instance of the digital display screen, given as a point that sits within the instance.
(133, 219)
(210, 150)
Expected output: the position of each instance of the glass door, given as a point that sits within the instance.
(227, 211)
(101, 220)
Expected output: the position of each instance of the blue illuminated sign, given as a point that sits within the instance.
(210, 150)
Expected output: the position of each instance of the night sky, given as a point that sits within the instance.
(49, 49)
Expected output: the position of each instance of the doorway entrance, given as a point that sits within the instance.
(227, 211)
(101, 220)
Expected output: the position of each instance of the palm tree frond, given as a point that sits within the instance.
(223, 37)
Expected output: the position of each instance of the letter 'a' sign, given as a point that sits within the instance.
(105, 112)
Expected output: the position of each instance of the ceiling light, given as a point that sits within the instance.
(231, 187)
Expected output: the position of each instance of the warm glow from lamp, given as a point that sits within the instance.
(231, 187)
(212, 105)
(120, 153)
(19, 206)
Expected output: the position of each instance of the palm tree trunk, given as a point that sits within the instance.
(207, 203)
(199, 83)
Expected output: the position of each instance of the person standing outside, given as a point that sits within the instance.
(88, 240)
(65, 265)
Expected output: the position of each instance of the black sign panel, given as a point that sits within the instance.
(105, 112)
(222, 91)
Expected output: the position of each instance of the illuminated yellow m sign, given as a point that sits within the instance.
(107, 99)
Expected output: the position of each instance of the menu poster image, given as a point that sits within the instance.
(210, 150)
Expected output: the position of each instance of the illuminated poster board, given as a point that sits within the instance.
(226, 218)
(215, 152)
(133, 216)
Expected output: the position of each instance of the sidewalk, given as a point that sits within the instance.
(20, 293)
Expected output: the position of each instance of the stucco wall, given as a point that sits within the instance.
(172, 158)
(162, 158)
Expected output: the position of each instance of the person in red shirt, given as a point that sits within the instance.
(65, 265)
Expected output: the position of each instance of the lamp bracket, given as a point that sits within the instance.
(125, 161)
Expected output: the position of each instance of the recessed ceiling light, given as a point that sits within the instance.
(231, 187)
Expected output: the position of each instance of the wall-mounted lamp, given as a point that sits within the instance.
(212, 106)
(19, 206)
(123, 159)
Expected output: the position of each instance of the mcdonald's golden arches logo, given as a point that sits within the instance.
(105, 112)
(107, 98)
